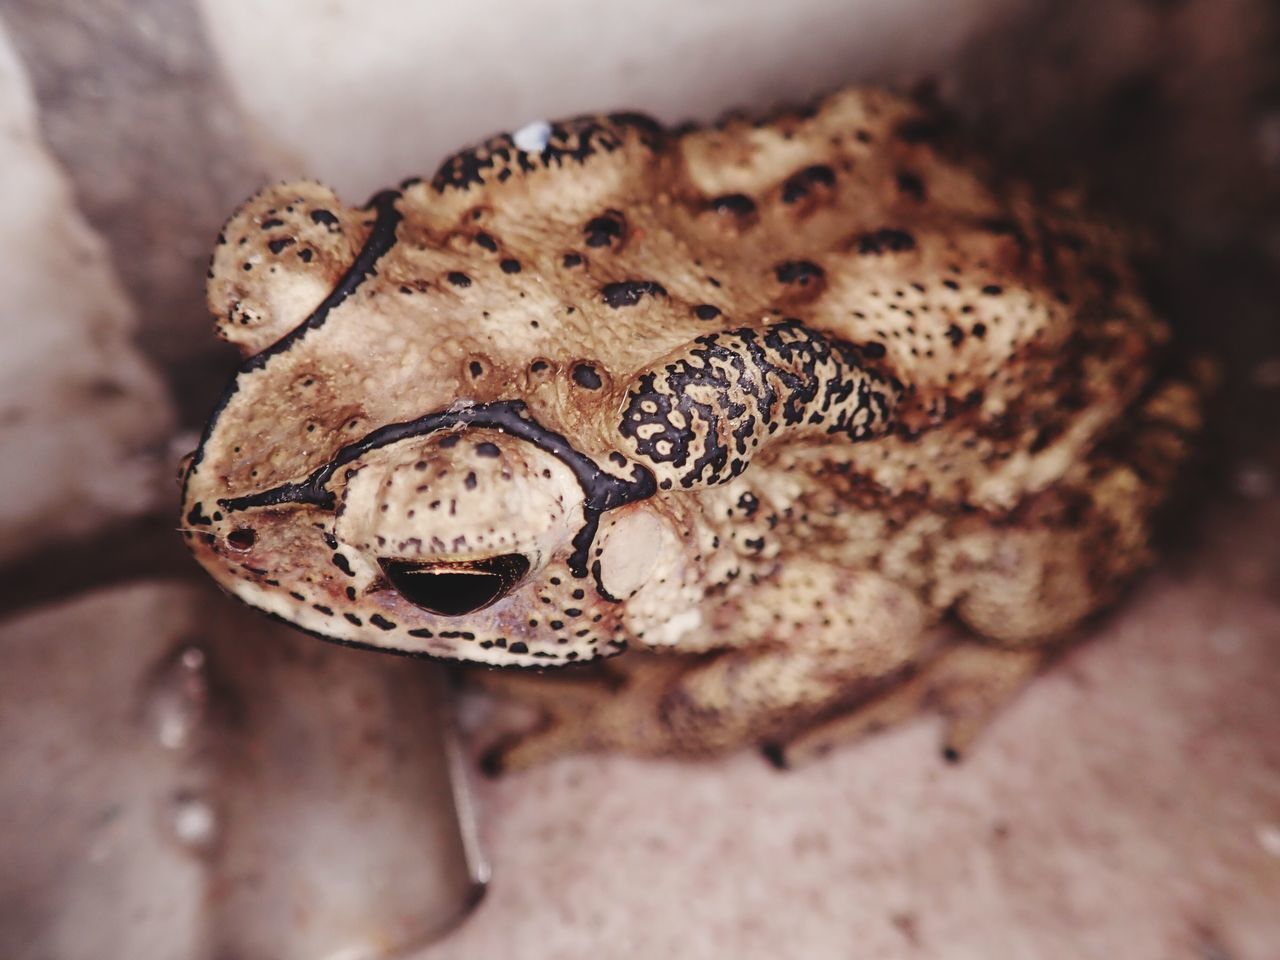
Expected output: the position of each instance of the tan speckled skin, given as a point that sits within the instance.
(1005, 470)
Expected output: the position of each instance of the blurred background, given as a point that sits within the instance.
(179, 778)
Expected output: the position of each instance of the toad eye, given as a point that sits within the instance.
(455, 588)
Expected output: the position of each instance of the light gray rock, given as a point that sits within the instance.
(82, 415)
(182, 779)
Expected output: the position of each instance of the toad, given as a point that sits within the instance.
(765, 404)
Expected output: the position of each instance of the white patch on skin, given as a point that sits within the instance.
(533, 137)
(630, 552)
(669, 633)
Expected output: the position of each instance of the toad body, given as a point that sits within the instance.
(762, 404)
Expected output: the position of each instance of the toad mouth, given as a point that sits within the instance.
(453, 588)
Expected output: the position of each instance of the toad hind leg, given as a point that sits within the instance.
(967, 683)
(805, 641)
(1030, 583)
(607, 706)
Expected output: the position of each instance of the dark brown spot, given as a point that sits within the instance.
(802, 272)
(921, 128)
(735, 204)
(886, 240)
(628, 293)
(585, 375)
(799, 185)
(242, 538)
(1000, 225)
(606, 230)
(911, 185)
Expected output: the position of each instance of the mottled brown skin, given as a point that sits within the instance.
(819, 381)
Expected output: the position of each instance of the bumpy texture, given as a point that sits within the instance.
(781, 394)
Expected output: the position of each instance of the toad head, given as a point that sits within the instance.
(454, 434)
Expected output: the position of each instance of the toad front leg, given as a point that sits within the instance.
(808, 642)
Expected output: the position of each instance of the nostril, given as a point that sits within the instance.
(242, 538)
(454, 588)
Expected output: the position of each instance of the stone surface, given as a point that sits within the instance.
(182, 779)
(82, 416)
(133, 106)
(361, 96)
